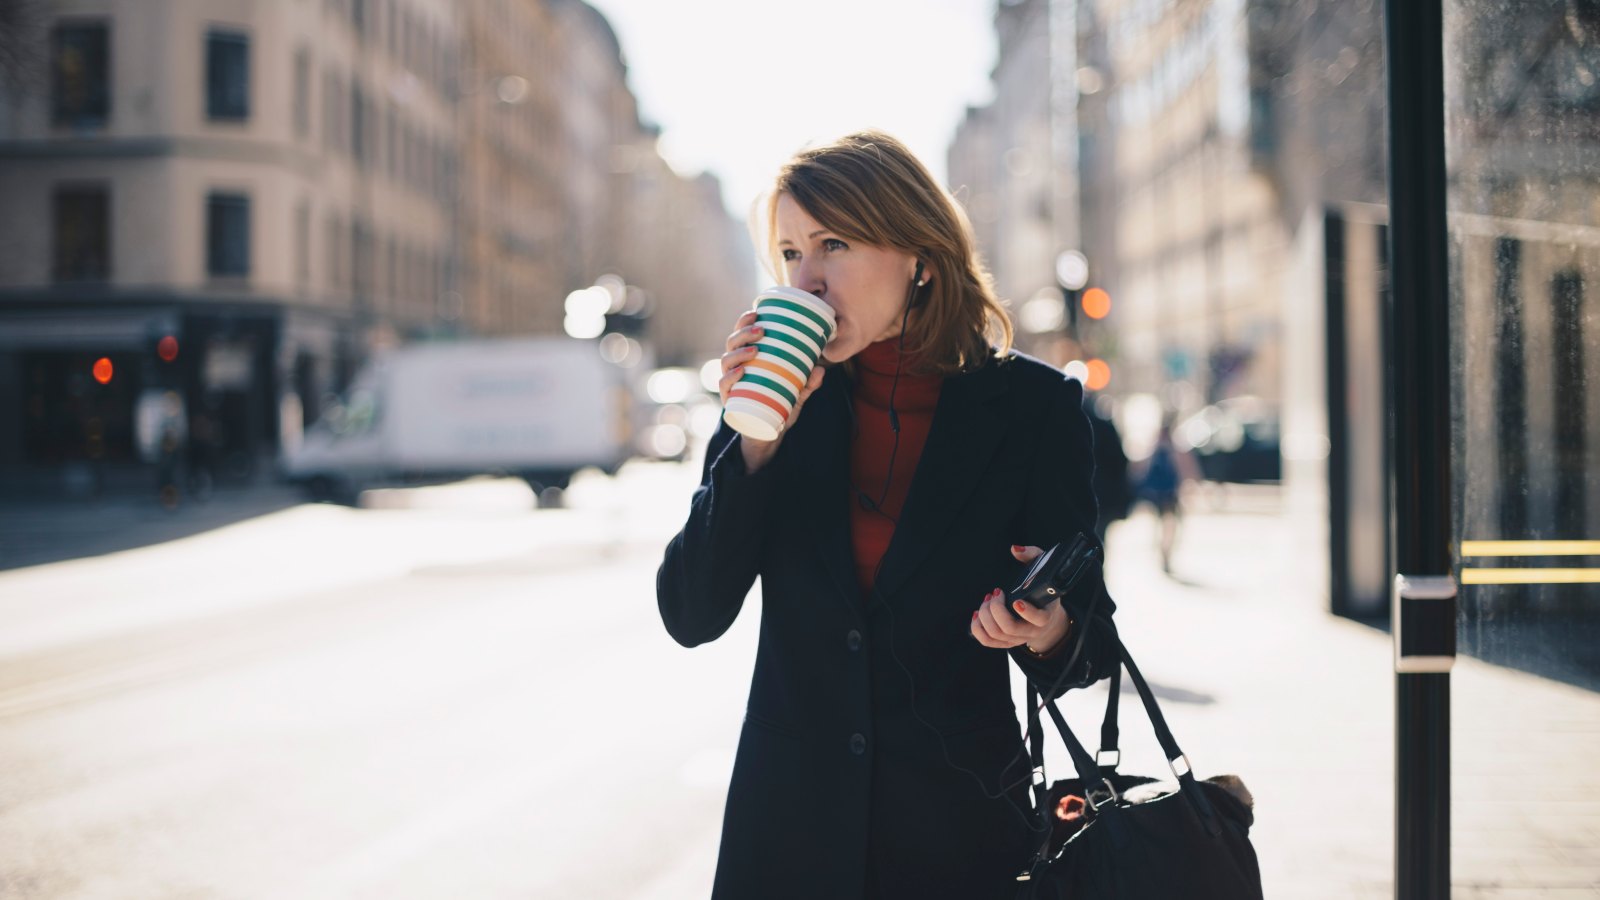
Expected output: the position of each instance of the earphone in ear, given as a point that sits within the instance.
(918, 277)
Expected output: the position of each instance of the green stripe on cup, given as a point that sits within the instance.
(786, 356)
(827, 328)
(781, 390)
(792, 341)
(802, 327)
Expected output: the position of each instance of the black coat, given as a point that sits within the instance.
(839, 791)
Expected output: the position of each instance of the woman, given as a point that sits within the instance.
(880, 755)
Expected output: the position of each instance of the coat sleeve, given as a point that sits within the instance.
(712, 562)
(1060, 505)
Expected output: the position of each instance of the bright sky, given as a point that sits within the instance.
(738, 85)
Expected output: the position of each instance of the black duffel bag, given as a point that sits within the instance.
(1126, 837)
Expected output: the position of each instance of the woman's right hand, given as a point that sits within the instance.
(742, 349)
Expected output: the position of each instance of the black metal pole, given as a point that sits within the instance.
(1425, 592)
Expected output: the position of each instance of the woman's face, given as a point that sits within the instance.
(866, 285)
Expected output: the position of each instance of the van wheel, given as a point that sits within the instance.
(552, 498)
(320, 489)
(324, 489)
(539, 481)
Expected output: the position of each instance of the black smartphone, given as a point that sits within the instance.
(1055, 572)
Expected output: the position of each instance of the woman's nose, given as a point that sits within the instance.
(808, 277)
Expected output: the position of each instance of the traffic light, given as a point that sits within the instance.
(160, 366)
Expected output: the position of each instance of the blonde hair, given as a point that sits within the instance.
(868, 187)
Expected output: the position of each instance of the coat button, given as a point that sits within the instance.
(858, 744)
(853, 640)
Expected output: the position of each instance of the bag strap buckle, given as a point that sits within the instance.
(1187, 769)
(1110, 795)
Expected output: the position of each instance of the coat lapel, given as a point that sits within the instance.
(967, 427)
(828, 417)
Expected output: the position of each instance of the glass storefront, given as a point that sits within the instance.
(1523, 144)
(1522, 124)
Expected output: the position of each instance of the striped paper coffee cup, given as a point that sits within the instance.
(795, 327)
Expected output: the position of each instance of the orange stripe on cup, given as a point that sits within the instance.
(783, 414)
(776, 369)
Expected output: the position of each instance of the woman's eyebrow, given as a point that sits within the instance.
(810, 237)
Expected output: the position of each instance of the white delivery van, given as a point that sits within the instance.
(538, 408)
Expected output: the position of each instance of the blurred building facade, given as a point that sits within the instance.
(1230, 163)
(513, 199)
(1013, 163)
(233, 206)
(1147, 107)
(687, 263)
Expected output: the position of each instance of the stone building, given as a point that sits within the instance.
(229, 205)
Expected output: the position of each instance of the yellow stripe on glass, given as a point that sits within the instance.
(1530, 548)
(1530, 576)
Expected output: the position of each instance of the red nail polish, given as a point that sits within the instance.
(1017, 606)
(1016, 546)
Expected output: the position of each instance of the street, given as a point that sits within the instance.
(453, 694)
(331, 702)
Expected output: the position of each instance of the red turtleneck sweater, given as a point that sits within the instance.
(873, 441)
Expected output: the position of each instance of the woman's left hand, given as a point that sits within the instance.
(996, 626)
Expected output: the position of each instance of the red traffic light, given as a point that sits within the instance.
(102, 370)
(167, 348)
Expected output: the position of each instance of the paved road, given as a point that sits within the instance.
(470, 700)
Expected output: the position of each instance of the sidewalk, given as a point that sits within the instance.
(35, 531)
(1256, 679)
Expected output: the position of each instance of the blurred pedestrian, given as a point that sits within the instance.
(880, 754)
(1161, 477)
(1111, 490)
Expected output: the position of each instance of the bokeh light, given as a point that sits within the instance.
(1099, 375)
(1096, 303)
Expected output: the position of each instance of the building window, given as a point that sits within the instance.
(227, 235)
(390, 144)
(81, 71)
(360, 258)
(358, 123)
(302, 244)
(334, 241)
(83, 233)
(227, 76)
(302, 93)
(332, 109)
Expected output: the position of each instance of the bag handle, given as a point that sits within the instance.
(1091, 773)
